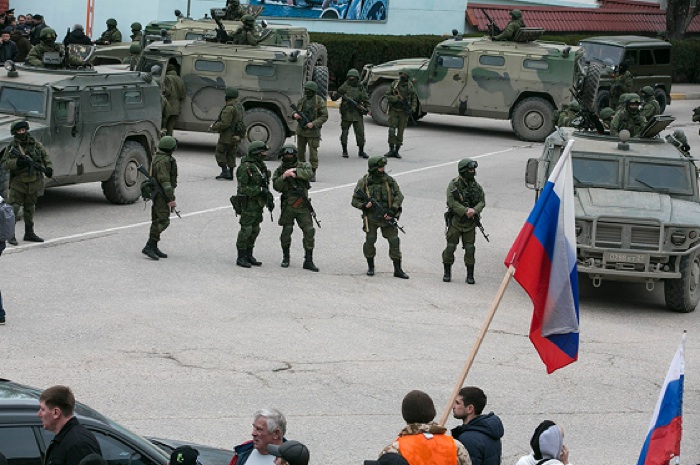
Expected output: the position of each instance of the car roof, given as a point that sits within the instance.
(625, 41)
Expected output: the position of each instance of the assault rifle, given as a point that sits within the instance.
(304, 119)
(221, 34)
(585, 118)
(269, 199)
(29, 161)
(307, 202)
(158, 189)
(353, 103)
(457, 195)
(493, 29)
(379, 209)
(406, 106)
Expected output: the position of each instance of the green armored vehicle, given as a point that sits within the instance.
(96, 125)
(637, 210)
(524, 81)
(269, 80)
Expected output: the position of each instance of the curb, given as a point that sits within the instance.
(331, 104)
(688, 96)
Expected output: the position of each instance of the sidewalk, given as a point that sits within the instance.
(685, 92)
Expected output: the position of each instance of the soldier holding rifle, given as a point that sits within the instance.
(402, 100)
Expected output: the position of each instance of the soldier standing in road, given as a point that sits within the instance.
(512, 28)
(311, 108)
(111, 35)
(234, 12)
(628, 117)
(253, 194)
(291, 178)
(622, 85)
(231, 130)
(136, 32)
(164, 171)
(402, 100)
(381, 187)
(27, 162)
(465, 202)
(173, 89)
(650, 107)
(352, 114)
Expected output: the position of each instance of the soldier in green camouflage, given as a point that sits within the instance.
(164, 171)
(403, 100)
(314, 110)
(253, 194)
(48, 44)
(650, 107)
(291, 178)
(628, 117)
(352, 114)
(622, 85)
(679, 140)
(465, 202)
(231, 130)
(134, 55)
(606, 116)
(378, 185)
(136, 32)
(246, 34)
(111, 35)
(173, 89)
(566, 117)
(234, 12)
(516, 22)
(27, 162)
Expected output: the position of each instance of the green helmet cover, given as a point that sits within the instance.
(516, 14)
(111, 22)
(646, 91)
(167, 143)
(47, 31)
(375, 162)
(311, 85)
(575, 106)
(18, 125)
(136, 26)
(231, 92)
(257, 147)
(286, 150)
(467, 164)
(606, 113)
(248, 19)
(353, 73)
(135, 49)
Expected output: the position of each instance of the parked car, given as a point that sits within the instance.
(208, 455)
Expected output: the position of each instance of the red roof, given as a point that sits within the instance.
(616, 16)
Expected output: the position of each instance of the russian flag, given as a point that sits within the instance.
(544, 258)
(663, 441)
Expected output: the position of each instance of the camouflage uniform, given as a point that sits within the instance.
(628, 118)
(26, 183)
(512, 27)
(231, 130)
(35, 57)
(606, 116)
(314, 108)
(400, 91)
(173, 89)
(650, 107)
(622, 85)
(351, 116)
(164, 171)
(463, 194)
(234, 12)
(246, 35)
(566, 117)
(136, 32)
(294, 186)
(385, 190)
(111, 35)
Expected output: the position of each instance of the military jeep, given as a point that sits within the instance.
(269, 80)
(96, 125)
(637, 211)
(522, 81)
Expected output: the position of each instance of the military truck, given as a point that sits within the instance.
(524, 81)
(637, 210)
(269, 80)
(96, 125)
(649, 60)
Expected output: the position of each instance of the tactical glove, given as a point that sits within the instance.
(49, 172)
(22, 163)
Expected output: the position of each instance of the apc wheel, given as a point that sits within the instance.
(533, 119)
(660, 96)
(589, 88)
(321, 80)
(603, 99)
(380, 105)
(682, 295)
(124, 186)
(263, 124)
(318, 56)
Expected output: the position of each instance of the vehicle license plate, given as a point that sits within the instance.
(620, 257)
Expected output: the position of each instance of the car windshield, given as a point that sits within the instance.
(596, 172)
(609, 54)
(24, 102)
(659, 177)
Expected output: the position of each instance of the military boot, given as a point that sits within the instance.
(345, 150)
(224, 171)
(29, 234)
(229, 173)
(313, 178)
(150, 250)
(470, 274)
(285, 257)
(309, 261)
(396, 152)
(398, 272)
(242, 259)
(361, 152)
(159, 252)
(370, 266)
(252, 259)
(447, 277)
(390, 153)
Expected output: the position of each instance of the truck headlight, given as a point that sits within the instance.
(678, 238)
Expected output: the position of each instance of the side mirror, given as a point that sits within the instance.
(531, 173)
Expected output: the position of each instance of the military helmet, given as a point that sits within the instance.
(680, 135)
(466, 164)
(18, 125)
(287, 149)
(248, 19)
(646, 91)
(353, 73)
(231, 92)
(111, 22)
(575, 106)
(135, 49)
(516, 14)
(257, 147)
(167, 143)
(375, 162)
(606, 113)
(46, 32)
(633, 98)
(136, 26)
(156, 70)
(311, 85)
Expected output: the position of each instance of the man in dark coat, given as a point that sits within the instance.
(480, 434)
(77, 36)
(8, 49)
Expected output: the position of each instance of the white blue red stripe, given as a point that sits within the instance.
(544, 258)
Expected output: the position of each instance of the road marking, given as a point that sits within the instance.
(102, 232)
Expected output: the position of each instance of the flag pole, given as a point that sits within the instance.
(477, 344)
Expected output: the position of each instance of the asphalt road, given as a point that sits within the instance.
(190, 346)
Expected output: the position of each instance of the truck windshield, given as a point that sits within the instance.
(609, 54)
(22, 102)
(596, 172)
(660, 177)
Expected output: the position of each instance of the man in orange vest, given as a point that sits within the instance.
(422, 441)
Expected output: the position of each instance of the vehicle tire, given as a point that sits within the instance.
(321, 79)
(318, 56)
(124, 186)
(263, 124)
(533, 119)
(603, 99)
(589, 88)
(660, 96)
(682, 295)
(380, 105)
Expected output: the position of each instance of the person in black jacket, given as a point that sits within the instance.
(480, 434)
(8, 49)
(72, 442)
(77, 36)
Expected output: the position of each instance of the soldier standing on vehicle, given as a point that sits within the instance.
(383, 189)
(291, 178)
(566, 117)
(628, 117)
(253, 194)
(48, 44)
(164, 172)
(650, 107)
(311, 114)
(465, 202)
(27, 162)
(136, 32)
(173, 89)
(351, 114)
(111, 35)
(402, 100)
(234, 12)
(622, 85)
(231, 130)
(246, 35)
(516, 22)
